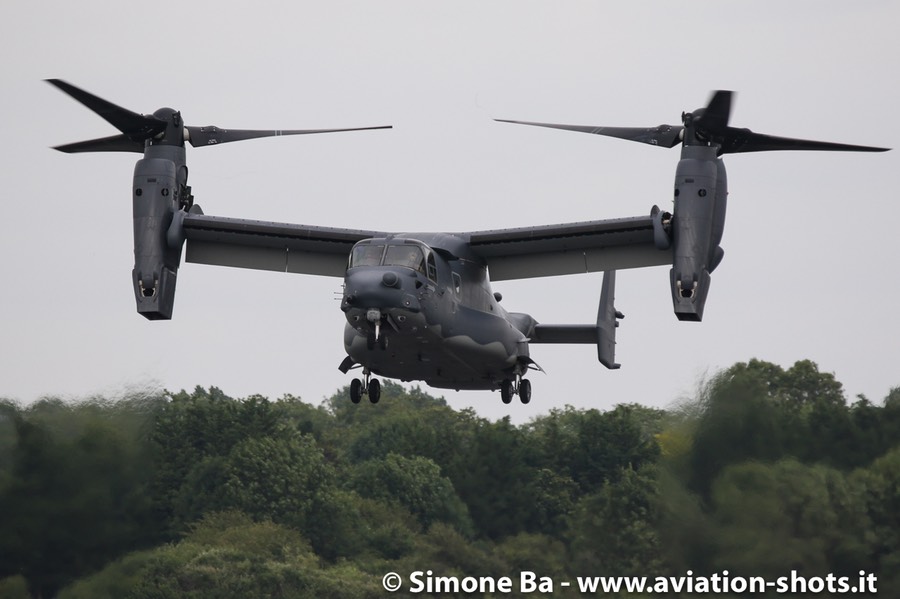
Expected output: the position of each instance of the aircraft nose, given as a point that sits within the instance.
(376, 288)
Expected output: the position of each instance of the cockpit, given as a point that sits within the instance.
(406, 253)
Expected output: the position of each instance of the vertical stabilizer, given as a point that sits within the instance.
(607, 322)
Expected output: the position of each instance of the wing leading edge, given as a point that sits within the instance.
(526, 252)
(549, 250)
(261, 245)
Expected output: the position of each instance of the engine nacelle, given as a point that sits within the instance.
(157, 248)
(701, 192)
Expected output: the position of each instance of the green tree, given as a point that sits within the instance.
(774, 518)
(876, 429)
(615, 531)
(497, 483)
(759, 411)
(803, 384)
(830, 436)
(880, 485)
(446, 552)
(9, 413)
(73, 499)
(192, 435)
(228, 555)
(800, 385)
(593, 447)
(276, 478)
(554, 497)
(416, 484)
(739, 422)
(380, 531)
(767, 470)
(394, 398)
(14, 587)
(408, 423)
(539, 553)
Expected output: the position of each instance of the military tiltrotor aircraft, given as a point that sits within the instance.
(419, 306)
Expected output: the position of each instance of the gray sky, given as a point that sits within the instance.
(810, 269)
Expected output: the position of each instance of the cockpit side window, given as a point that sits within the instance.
(409, 256)
(432, 267)
(366, 255)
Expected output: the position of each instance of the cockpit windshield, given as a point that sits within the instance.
(366, 255)
(410, 256)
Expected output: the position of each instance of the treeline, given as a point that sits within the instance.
(197, 494)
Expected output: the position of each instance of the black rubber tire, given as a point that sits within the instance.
(506, 391)
(355, 390)
(374, 390)
(525, 391)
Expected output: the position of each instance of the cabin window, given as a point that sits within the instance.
(366, 255)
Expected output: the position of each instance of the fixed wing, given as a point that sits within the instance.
(419, 306)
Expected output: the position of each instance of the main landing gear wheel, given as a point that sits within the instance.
(355, 390)
(506, 391)
(525, 391)
(374, 390)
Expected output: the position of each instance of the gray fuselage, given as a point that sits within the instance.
(419, 307)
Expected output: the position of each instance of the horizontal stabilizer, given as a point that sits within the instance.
(564, 333)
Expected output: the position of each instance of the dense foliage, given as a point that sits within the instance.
(197, 494)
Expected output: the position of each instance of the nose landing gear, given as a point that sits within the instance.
(522, 389)
(371, 387)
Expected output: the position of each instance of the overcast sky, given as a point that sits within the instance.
(810, 268)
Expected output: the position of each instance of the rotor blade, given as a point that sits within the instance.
(744, 140)
(667, 136)
(716, 114)
(116, 143)
(211, 135)
(134, 125)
